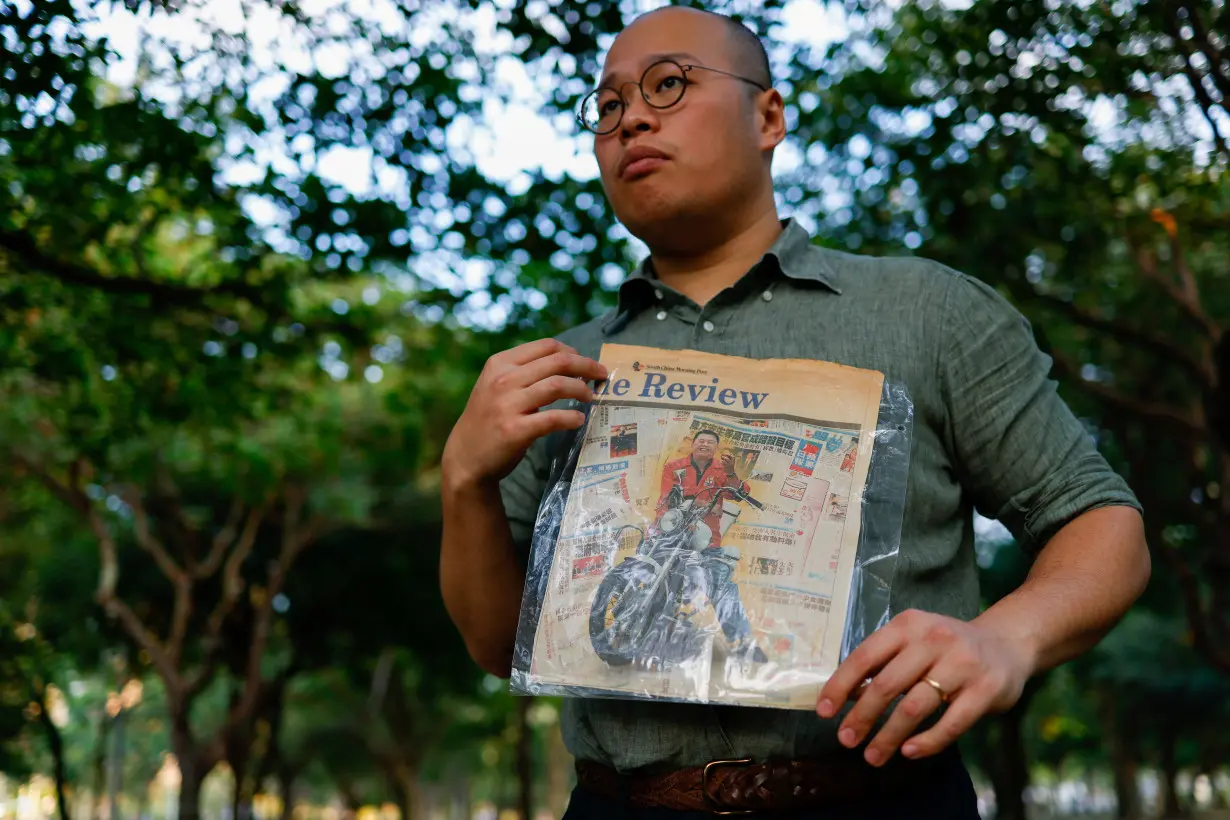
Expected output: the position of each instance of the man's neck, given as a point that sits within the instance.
(702, 275)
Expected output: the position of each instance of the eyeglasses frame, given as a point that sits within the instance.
(684, 68)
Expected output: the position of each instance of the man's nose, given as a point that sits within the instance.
(639, 116)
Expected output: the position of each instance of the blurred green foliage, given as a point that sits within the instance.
(226, 375)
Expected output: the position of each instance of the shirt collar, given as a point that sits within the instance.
(793, 252)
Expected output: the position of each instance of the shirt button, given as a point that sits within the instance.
(708, 326)
(767, 296)
(661, 315)
(657, 293)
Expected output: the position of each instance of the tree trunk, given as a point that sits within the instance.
(1011, 772)
(190, 792)
(459, 799)
(194, 767)
(115, 775)
(525, 760)
(55, 742)
(1172, 806)
(1219, 797)
(411, 801)
(1123, 763)
(241, 797)
(286, 790)
(99, 765)
(350, 796)
(1013, 767)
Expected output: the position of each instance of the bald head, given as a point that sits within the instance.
(745, 51)
(688, 159)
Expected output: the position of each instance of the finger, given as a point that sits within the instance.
(897, 677)
(964, 710)
(866, 658)
(913, 709)
(538, 425)
(560, 363)
(531, 351)
(551, 389)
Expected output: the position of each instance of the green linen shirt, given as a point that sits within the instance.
(990, 433)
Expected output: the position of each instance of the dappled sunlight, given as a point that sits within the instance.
(255, 255)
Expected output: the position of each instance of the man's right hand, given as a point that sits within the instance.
(502, 417)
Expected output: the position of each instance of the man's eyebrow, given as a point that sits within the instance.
(650, 59)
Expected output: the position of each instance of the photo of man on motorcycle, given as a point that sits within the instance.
(700, 476)
(645, 609)
(698, 471)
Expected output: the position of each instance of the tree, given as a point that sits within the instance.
(1096, 135)
(999, 742)
(17, 654)
(162, 361)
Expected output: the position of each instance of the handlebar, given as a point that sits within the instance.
(737, 492)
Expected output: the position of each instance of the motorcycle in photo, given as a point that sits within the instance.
(644, 611)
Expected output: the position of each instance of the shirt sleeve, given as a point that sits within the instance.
(522, 492)
(1021, 453)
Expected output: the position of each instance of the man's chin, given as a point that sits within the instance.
(662, 225)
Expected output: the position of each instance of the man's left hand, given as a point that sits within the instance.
(728, 464)
(975, 669)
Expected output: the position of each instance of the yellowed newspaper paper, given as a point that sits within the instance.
(709, 537)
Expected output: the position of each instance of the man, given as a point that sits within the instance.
(701, 478)
(684, 156)
(851, 456)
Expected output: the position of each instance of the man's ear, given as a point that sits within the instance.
(771, 117)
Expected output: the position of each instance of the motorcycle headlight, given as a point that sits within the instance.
(670, 520)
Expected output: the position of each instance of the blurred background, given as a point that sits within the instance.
(253, 254)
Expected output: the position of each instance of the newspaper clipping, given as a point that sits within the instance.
(709, 535)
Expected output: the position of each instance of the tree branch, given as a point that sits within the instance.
(1198, 616)
(1217, 60)
(180, 614)
(1150, 411)
(67, 492)
(1147, 265)
(297, 534)
(147, 640)
(221, 542)
(149, 543)
(108, 578)
(232, 574)
(28, 251)
(1154, 342)
(108, 574)
(232, 587)
(1194, 78)
(1191, 289)
(181, 610)
(1206, 105)
(380, 679)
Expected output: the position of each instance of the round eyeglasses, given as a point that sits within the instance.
(662, 85)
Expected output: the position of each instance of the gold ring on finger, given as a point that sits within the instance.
(939, 690)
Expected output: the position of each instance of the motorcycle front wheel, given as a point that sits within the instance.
(619, 611)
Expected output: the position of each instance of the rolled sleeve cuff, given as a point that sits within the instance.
(1091, 485)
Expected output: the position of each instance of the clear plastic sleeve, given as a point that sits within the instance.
(696, 551)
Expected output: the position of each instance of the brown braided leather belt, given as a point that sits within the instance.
(742, 786)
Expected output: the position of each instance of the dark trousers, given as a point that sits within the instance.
(950, 797)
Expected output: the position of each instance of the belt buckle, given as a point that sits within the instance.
(717, 806)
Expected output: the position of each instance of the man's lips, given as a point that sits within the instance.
(641, 167)
(641, 160)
